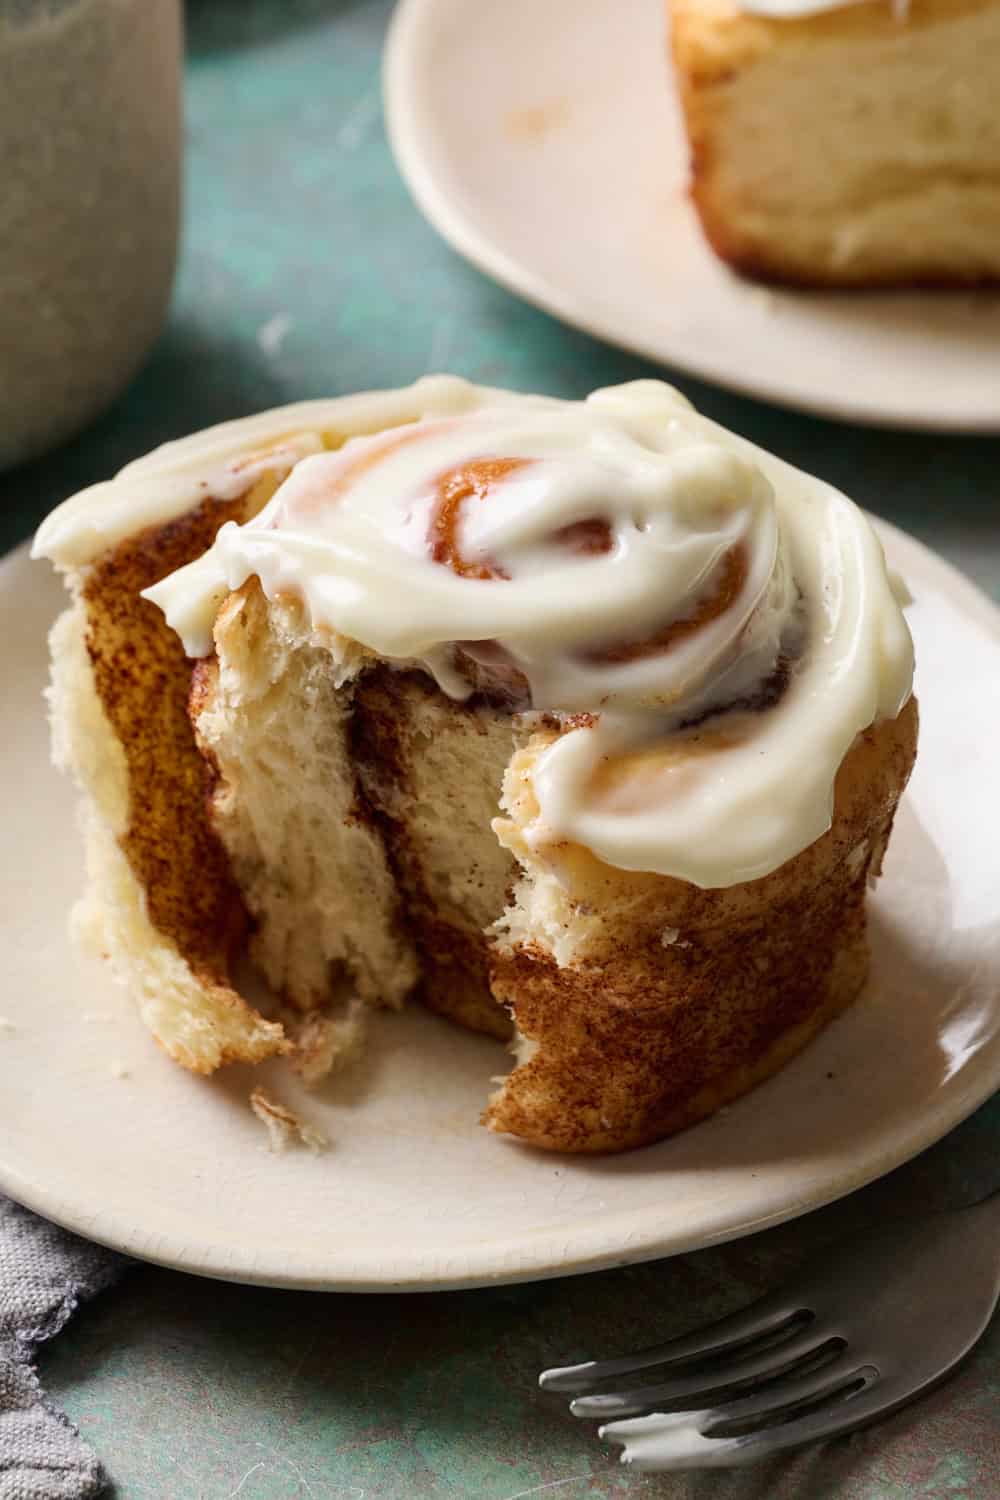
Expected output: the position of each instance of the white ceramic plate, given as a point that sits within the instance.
(541, 138)
(413, 1193)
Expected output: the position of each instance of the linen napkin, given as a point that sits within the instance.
(45, 1272)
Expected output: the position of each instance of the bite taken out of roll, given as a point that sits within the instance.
(585, 722)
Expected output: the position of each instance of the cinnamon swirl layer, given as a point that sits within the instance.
(619, 558)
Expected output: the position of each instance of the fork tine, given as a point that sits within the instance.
(765, 1317)
(705, 1439)
(707, 1385)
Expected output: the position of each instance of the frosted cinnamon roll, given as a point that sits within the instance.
(585, 721)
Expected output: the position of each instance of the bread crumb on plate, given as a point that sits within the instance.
(284, 1128)
(322, 1043)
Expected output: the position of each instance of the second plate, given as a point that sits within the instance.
(543, 141)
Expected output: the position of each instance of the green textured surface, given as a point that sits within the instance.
(192, 1389)
(307, 271)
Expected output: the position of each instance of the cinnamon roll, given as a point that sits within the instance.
(586, 722)
(843, 144)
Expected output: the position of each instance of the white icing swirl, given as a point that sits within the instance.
(627, 560)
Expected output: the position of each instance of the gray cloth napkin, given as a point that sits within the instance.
(44, 1273)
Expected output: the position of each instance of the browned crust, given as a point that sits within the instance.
(455, 977)
(712, 42)
(643, 1038)
(142, 679)
(763, 264)
(765, 1050)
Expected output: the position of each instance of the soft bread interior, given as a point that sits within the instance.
(355, 804)
(431, 771)
(273, 713)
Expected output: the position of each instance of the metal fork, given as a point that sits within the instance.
(872, 1323)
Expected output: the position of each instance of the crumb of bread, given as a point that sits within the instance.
(118, 1069)
(283, 1126)
(323, 1044)
(6, 1027)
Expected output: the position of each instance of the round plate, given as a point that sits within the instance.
(103, 1134)
(543, 141)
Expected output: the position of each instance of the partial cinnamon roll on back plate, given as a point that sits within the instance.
(583, 722)
(840, 144)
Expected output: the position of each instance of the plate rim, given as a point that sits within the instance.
(459, 230)
(530, 1260)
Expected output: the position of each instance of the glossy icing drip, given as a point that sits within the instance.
(793, 10)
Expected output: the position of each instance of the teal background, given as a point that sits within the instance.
(307, 271)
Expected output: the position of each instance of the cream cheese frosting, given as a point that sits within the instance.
(793, 10)
(707, 628)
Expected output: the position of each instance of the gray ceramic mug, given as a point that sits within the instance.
(89, 205)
